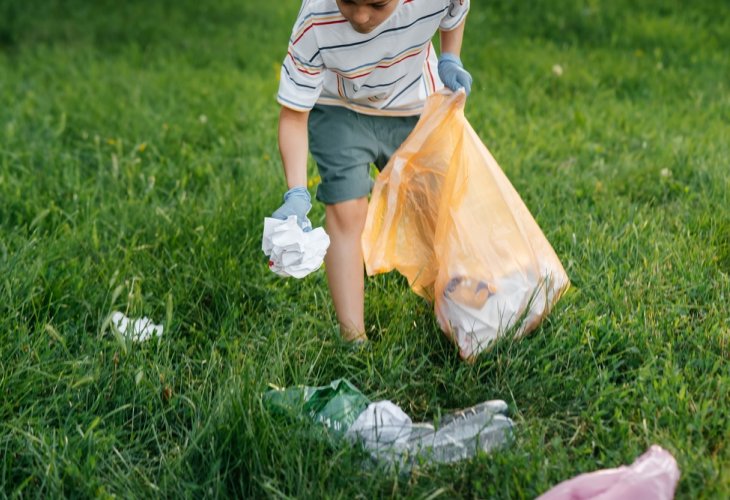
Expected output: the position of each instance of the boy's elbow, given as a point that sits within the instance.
(291, 114)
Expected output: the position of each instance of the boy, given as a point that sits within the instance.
(353, 83)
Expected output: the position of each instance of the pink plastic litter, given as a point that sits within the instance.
(652, 476)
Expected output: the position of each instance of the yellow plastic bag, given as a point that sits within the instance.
(445, 216)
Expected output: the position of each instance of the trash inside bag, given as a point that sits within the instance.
(445, 216)
(291, 251)
(336, 406)
(388, 433)
(652, 476)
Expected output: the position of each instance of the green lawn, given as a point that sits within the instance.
(138, 159)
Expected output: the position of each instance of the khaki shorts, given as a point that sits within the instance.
(345, 143)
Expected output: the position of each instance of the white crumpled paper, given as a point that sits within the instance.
(291, 251)
(138, 330)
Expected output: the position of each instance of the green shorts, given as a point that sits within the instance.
(344, 144)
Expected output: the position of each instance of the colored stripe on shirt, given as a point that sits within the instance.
(390, 71)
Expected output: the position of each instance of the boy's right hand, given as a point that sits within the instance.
(296, 202)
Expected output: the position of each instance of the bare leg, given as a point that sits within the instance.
(344, 264)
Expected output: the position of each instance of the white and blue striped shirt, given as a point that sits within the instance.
(389, 71)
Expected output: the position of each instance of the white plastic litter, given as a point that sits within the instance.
(291, 251)
(382, 422)
(390, 435)
(138, 330)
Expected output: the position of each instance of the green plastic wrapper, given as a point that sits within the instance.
(336, 405)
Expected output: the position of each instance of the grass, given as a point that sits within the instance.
(138, 159)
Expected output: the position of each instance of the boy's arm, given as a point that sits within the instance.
(294, 149)
(302, 76)
(451, 70)
(293, 145)
(451, 40)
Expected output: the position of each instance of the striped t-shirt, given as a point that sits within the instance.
(389, 71)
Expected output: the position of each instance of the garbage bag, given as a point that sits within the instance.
(445, 216)
(336, 405)
(652, 476)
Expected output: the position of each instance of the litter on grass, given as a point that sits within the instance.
(387, 432)
(652, 476)
(138, 330)
(291, 251)
(336, 405)
(390, 435)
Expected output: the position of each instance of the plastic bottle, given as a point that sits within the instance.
(462, 434)
(457, 436)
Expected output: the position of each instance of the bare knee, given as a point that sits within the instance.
(347, 217)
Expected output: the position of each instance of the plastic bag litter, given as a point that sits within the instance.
(445, 216)
(381, 422)
(336, 405)
(291, 251)
(652, 476)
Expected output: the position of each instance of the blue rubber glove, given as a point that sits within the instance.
(296, 202)
(453, 74)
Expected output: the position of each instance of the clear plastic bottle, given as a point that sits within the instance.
(390, 436)
(462, 434)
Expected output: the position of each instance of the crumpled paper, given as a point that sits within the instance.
(138, 330)
(291, 251)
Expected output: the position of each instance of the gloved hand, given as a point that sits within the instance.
(296, 202)
(453, 74)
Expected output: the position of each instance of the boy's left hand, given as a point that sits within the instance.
(453, 74)
(296, 202)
